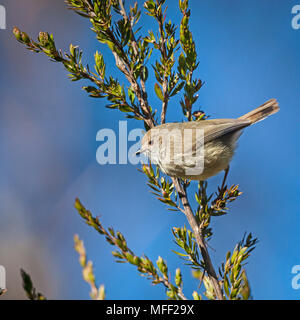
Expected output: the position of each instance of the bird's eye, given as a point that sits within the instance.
(150, 142)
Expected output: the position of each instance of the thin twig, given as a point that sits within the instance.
(199, 238)
(142, 95)
(188, 103)
(97, 225)
(163, 50)
(181, 192)
(125, 67)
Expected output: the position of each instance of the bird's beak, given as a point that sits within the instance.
(140, 151)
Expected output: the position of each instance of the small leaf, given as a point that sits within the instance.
(158, 92)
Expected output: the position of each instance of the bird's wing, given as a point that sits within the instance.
(217, 129)
(213, 128)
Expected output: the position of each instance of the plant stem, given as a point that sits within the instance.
(199, 238)
(140, 90)
(181, 191)
(163, 51)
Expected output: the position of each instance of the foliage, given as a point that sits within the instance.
(87, 271)
(29, 289)
(175, 73)
(236, 284)
(158, 275)
(2, 291)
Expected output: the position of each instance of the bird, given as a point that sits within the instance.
(199, 157)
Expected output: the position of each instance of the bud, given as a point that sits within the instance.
(43, 38)
(112, 46)
(147, 170)
(129, 257)
(165, 194)
(162, 266)
(185, 21)
(96, 8)
(136, 260)
(78, 205)
(25, 37)
(196, 296)
(87, 272)
(178, 278)
(171, 294)
(183, 5)
(17, 33)
(101, 293)
(72, 50)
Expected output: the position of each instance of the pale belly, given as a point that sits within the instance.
(217, 156)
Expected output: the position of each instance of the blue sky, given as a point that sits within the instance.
(248, 53)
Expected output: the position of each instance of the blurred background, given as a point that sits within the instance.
(248, 53)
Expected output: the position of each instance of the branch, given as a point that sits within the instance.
(133, 41)
(101, 20)
(131, 56)
(122, 65)
(199, 238)
(87, 271)
(30, 290)
(163, 50)
(136, 53)
(188, 63)
(235, 281)
(108, 88)
(166, 43)
(144, 264)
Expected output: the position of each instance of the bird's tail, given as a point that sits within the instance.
(262, 112)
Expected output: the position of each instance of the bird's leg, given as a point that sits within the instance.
(223, 186)
(221, 189)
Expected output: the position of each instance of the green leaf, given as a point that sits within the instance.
(131, 95)
(158, 92)
(180, 254)
(125, 108)
(177, 89)
(226, 286)
(144, 73)
(30, 290)
(196, 296)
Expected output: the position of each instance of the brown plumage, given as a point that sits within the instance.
(219, 138)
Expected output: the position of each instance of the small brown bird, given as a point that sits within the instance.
(180, 151)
